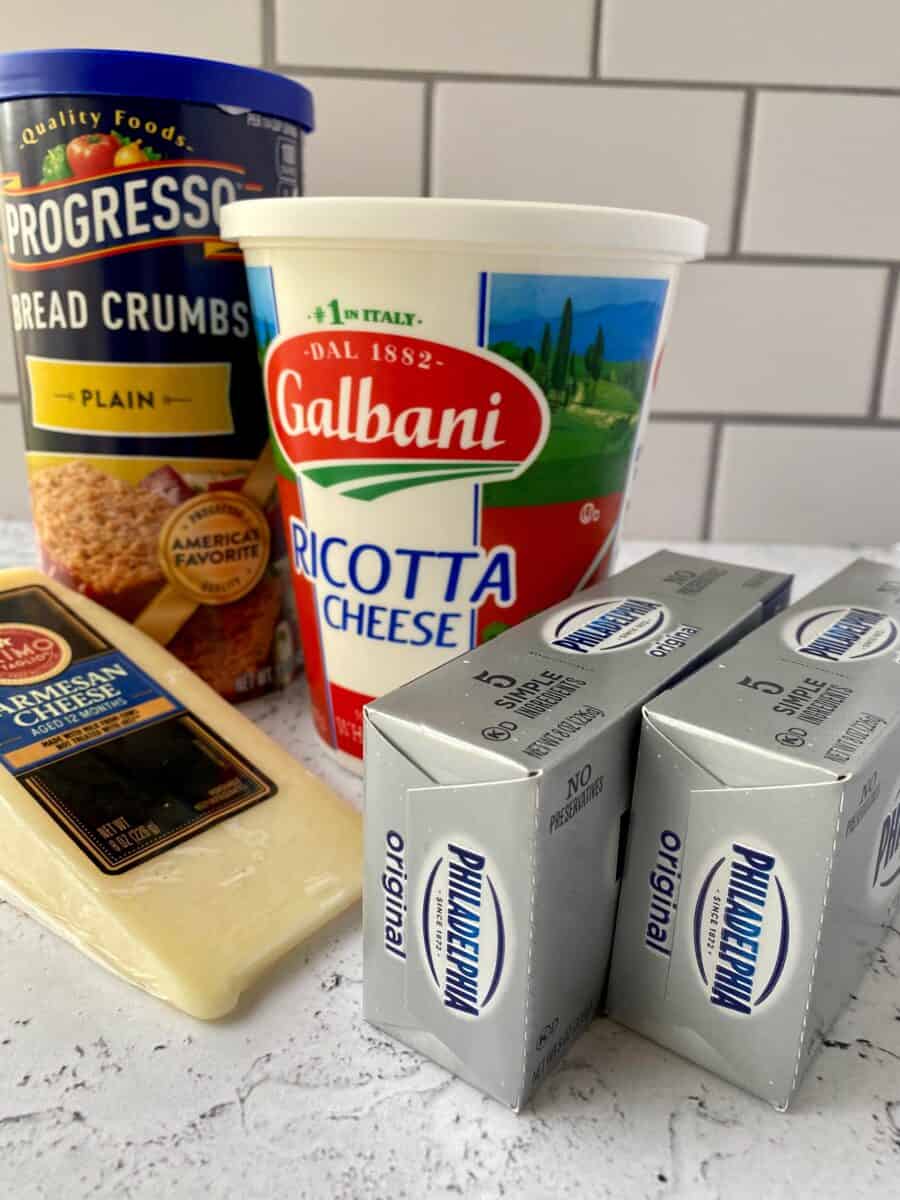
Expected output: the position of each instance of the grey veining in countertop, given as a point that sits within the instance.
(105, 1092)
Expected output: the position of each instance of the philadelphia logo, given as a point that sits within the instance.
(742, 929)
(463, 929)
(615, 623)
(844, 634)
(367, 414)
(886, 871)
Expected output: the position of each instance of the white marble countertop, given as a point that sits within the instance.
(107, 1093)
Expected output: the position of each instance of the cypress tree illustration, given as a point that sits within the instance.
(593, 356)
(546, 346)
(563, 348)
(528, 359)
(571, 380)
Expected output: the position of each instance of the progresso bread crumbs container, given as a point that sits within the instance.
(152, 486)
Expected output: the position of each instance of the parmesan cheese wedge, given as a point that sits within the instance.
(145, 819)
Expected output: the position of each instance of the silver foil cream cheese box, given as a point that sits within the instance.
(497, 789)
(764, 852)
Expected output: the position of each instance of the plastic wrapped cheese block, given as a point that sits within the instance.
(145, 819)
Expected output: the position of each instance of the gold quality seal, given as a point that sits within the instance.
(215, 547)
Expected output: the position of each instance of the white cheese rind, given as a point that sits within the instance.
(202, 921)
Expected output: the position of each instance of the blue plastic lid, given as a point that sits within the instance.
(28, 73)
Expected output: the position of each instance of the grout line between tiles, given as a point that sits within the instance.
(427, 137)
(608, 81)
(268, 33)
(884, 343)
(684, 417)
(596, 37)
(797, 420)
(761, 259)
(712, 481)
(742, 176)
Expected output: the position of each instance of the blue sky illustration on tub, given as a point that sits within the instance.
(629, 310)
(262, 300)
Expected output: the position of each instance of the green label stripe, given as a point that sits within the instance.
(338, 473)
(369, 480)
(373, 490)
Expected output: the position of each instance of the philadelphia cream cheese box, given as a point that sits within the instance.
(497, 792)
(764, 855)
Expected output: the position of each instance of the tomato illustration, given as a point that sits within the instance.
(91, 154)
(129, 154)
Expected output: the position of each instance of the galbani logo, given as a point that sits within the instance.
(370, 413)
(463, 930)
(609, 624)
(30, 654)
(845, 634)
(742, 929)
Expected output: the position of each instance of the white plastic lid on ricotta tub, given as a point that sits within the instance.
(528, 225)
(456, 391)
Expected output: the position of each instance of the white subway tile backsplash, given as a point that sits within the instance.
(506, 37)
(632, 147)
(747, 338)
(13, 480)
(825, 176)
(229, 29)
(350, 154)
(766, 41)
(808, 484)
(669, 492)
(755, 342)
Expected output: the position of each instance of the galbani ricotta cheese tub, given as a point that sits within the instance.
(456, 391)
(152, 485)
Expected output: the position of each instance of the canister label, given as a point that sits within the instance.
(153, 490)
(436, 491)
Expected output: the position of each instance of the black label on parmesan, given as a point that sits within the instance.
(114, 758)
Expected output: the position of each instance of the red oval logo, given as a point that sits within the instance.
(373, 412)
(30, 654)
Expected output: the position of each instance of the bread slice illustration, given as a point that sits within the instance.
(99, 534)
